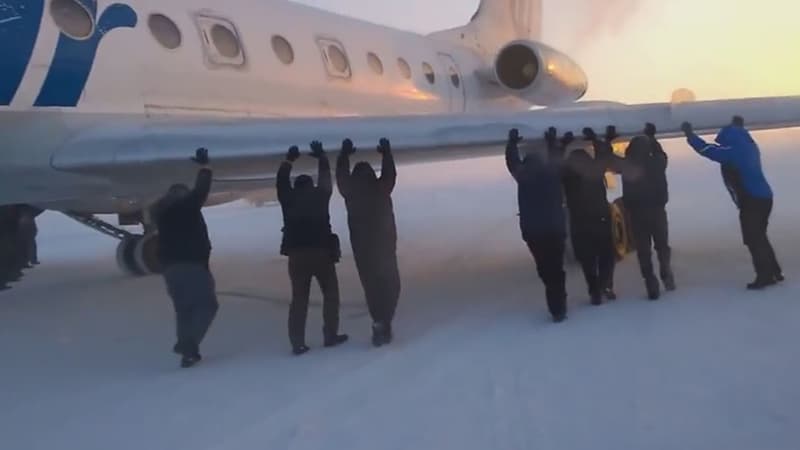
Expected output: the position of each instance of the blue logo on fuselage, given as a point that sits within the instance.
(73, 60)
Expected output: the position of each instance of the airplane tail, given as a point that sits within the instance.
(496, 23)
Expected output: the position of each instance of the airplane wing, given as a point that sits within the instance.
(248, 152)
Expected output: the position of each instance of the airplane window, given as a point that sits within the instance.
(454, 78)
(225, 41)
(428, 71)
(405, 69)
(338, 59)
(375, 63)
(72, 18)
(283, 49)
(164, 31)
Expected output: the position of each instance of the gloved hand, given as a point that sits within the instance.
(201, 157)
(567, 138)
(293, 154)
(513, 136)
(589, 134)
(384, 146)
(550, 136)
(611, 133)
(347, 147)
(316, 149)
(686, 127)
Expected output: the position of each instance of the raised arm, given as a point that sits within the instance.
(202, 187)
(513, 163)
(660, 156)
(284, 181)
(713, 152)
(388, 177)
(324, 179)
(202, 183)
(343, 175)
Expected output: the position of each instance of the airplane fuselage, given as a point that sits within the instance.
(70, 66)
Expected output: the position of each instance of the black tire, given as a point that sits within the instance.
(126, 256)
(146, 255)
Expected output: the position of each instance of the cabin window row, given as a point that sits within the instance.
(224, 45)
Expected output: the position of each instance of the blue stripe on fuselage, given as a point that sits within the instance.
(74, 59)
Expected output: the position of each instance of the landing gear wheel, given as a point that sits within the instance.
(146, 254)
(620, 230)
(126, 255)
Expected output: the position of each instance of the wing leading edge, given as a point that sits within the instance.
(255, 147)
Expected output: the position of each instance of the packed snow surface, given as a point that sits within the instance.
(476, 364)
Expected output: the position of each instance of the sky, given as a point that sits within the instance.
(642, 50)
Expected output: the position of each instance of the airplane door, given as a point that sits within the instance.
(455, 83)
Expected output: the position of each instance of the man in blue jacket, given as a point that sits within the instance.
(739, 154)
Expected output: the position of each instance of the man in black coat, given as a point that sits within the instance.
(312, 248)
(645, 193)
(184, 252)
(9, 258)
(541, 218)
(590, 222)
(373, 233)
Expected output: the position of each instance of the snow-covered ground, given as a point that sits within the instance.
(86, 361)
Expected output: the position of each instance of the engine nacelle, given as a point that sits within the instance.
(538, 73)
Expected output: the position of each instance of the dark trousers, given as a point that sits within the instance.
(592, 239)
(651, 229)
(548, 252)
(7, 259)
(193, 291)
(305, 264)
(380, 279)
(754, 218)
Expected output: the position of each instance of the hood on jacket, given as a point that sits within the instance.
(732, 136)
(364, 173)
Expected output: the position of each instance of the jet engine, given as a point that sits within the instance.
(538, 73)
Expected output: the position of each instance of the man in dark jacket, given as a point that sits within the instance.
(541, 218)
(28, 232)
(9, 226)
(312, 248)
(590, 222)
(184, 252)
(736, 149)
(373, 233)
(645, 193)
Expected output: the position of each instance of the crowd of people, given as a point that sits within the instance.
(18, 250)
(571, 170)
(544, 180)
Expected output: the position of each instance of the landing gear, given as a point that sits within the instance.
(621, 230)
(137, 255)
(146, 254)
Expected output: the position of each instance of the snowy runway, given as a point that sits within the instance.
(476, 363)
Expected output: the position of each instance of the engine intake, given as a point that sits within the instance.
(539, 74)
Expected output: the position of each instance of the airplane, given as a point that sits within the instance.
(102, 103)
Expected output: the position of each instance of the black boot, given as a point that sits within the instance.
(597, 298)
(190, 360)
(761, 283)
(300, 350)
(779, 277)
(653, 288)
(610, 294)
(560, 317)
(668, 279)
(381, 334)
(333, 340)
